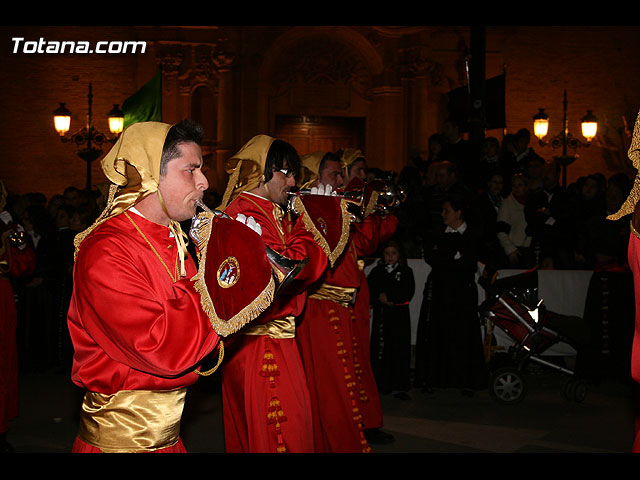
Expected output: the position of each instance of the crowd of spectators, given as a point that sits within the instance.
(522, 217)
(512, 195)
(42, 299)
(515, 197)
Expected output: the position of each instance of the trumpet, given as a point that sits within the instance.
(390, 197)
(355, 196)
(284, 269)
(354, 199)
(390, 194)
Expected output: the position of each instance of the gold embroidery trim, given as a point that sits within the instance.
(317, 235)
(373, 200)
(244, 316)
(131, 421)
(634, 155)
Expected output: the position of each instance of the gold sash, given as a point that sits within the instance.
(278, 328)
(344, 296)
(132, 420)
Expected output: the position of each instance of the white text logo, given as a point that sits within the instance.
(20, 45)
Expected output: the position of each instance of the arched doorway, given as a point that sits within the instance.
(327, 134)
(317, 91)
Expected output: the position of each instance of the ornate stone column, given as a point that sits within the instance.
(224, 140)
(385, 147)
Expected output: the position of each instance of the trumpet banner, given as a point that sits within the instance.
(234, 279)
(328, 219)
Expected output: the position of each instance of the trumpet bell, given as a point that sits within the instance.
(285, 269)
(392, 196)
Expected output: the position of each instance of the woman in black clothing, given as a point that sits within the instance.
(449, 350)
(391, 286)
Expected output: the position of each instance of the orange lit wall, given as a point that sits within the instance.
(406, 73)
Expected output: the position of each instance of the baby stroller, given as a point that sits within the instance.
(512, 305)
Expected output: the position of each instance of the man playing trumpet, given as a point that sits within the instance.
(330, 344)
(136, 318)
(265, 395)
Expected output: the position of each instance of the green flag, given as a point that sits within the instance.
(146, 104)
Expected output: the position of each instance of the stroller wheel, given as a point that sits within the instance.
(574, 390)
(507, 385)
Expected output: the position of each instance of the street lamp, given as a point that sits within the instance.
(88, 140)
(564, 139)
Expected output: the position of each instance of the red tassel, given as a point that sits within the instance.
(275, 416)
(269, 368)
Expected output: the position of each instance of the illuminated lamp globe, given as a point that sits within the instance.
(540, 124)
(589, 126)
(116, 120)
(62, 119)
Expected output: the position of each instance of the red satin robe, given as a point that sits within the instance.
(634, 263)
(325, 339)
(371, 233)
(20, 264)
(131, 326)
(266, 400)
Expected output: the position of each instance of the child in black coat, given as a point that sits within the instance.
(392, 286)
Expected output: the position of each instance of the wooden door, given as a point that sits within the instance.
(327, 134)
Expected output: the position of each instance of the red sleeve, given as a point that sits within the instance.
(372, 232)
(126, 307)
(289, 238)
(301, 244)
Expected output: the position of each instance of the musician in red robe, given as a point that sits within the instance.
(136, 319)
(369, 234)
(17, 260)
(631, 207)
(266, 400)
(325, 332)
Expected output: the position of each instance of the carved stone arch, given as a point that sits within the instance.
(323, 71)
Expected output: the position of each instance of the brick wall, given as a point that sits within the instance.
(598, 66)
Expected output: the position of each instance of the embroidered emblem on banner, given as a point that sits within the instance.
(322, 225)
(228, 272)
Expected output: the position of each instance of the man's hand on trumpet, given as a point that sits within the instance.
(322, 190)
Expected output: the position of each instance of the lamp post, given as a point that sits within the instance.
(89, 140)
(564, 139)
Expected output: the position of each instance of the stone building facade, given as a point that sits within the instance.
(381, 89)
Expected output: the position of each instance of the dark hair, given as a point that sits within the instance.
(394, 243)
(458, 202)
(492, 141)
(622, 181)
(523, 133)
(186, 131)
(328, 157)
(352, 164)
(279, 152)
